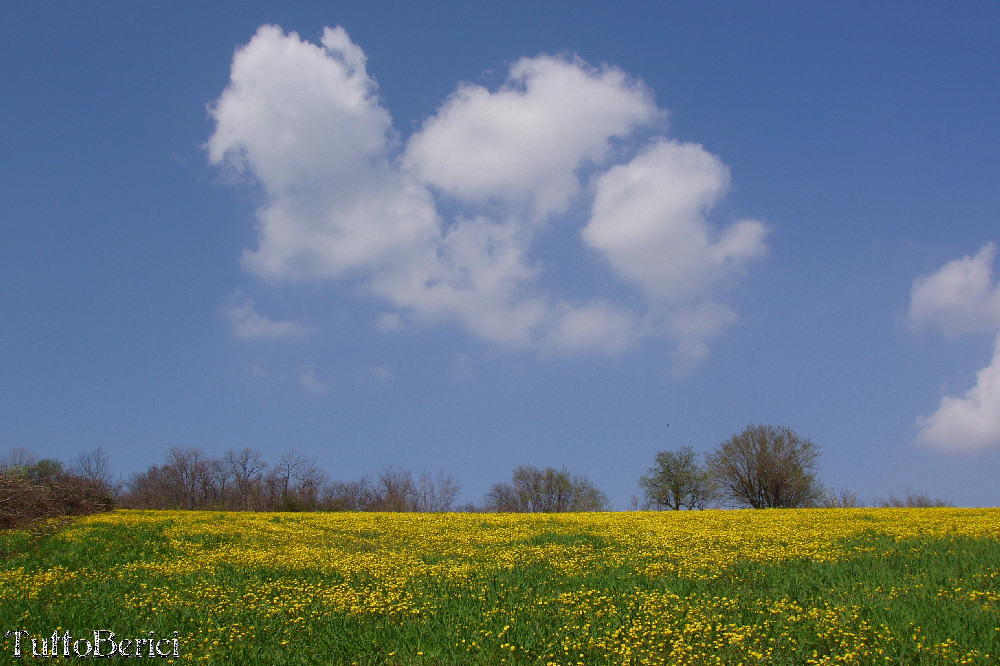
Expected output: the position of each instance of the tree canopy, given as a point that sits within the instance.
(676, 481)
(548, 490)
(766, 467)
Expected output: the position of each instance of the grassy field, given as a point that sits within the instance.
(864, 586)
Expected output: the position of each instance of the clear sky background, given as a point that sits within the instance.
(466, 237)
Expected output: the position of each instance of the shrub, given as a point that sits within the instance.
(35, 493)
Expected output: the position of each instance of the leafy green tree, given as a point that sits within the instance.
(676, 481)
(766, 467)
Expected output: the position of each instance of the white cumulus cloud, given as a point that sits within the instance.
(522, 144)
(970, 422)
(349, 201)
(649, 220)
(961, 297)
(305, 121)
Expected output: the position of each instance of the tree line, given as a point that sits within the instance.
(761, 467)
(244, 480)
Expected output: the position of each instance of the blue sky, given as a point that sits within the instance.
(469, 237)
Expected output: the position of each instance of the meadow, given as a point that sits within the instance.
(806, 586)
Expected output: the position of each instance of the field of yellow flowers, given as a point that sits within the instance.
(811, 586)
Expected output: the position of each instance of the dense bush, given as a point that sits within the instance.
(44, 490)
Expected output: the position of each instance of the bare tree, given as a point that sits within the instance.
(94, 465)
(242, 480)
(188, 469)
(286, 471)
(548, 490)
(151, 489)
(207, 495)
(348, 495)
(586, 496)
(837, 499)
(436, 494)
(298, 479)
(269, 490)
(506, 498)
(676, 481)
(309, 483)
(183, 482)
(394, 490)
(766, 467)
(17, 459)
(246, 466)
(913, 501)
(221, 476)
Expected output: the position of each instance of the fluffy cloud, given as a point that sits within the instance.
(961, 297)
(347, 201)
(649, 220)
(523, 143)
(305, 121)
(249, 325)
(970, 422)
